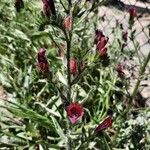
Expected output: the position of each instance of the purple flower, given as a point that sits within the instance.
(75, 111)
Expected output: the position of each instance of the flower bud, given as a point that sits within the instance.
(67, 23)
(98, 35)
(46, 8)
(119, 70)
(42, 62)
(73, 66)
(18, 5)
(52, 7)
(101, 43)
(49, 7)
(104, 125)
(132, 12)
(103, 53)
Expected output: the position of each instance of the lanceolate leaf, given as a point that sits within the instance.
(59, 129)
(49, 111)
(24, 112)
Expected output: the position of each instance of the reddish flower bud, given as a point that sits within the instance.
(125, 36)
(120, 69)
(98, 35)
(104, 125)
(42, 62)
(132, 12)
(73, 66)
(18, 5)
(52, 6)
(101, 43)
(49, 7)
(103, 53)
(75, 111)
(67, 23)
(46, 8)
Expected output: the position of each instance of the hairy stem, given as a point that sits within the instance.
(142, 70)
(68, 36)
(68, 70)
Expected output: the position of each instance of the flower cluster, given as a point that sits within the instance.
(74, 110)
(101, 41)
(42, 62)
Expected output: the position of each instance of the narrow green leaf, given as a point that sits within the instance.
(59, 129)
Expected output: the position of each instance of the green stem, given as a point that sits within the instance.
(76, 79)
(69, 5)
(63, 6)
(68, 36)
(68, 70)
(140, 109)
(107, 146)
(136, 48)
(141, 73)
(142, 70)
(121, 118)
(51, 37)
(69, 147)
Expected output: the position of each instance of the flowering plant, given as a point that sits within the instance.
(66, 81)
